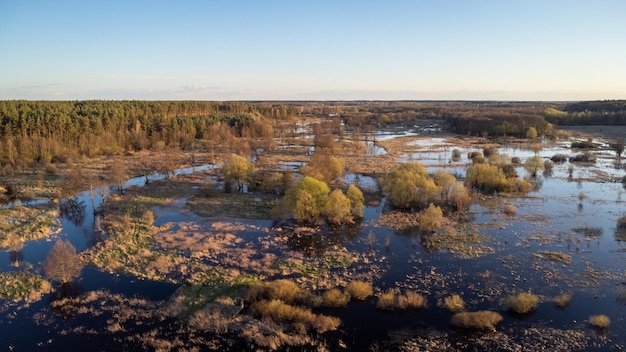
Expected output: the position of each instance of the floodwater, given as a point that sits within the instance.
(545, 221)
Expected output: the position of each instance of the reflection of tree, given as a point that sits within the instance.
(316, 241)
(73, 210)
(63, 301)
(620, 230)
(16, 256)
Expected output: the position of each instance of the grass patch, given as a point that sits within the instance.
(522, 303)
(588, 231)
(481, 320)
(599, 321)
(554, 256)
(454, 303)
(335, 298)
(562, 300)
(317, 267)
(279, 311)
(510, 210)
(393, 300)
(23, 286)
(284, 290)
(234, 205)
(360, 290)
(21, 224)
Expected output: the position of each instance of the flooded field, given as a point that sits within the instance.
(563, 242)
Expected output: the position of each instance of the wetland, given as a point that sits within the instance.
(193, 257)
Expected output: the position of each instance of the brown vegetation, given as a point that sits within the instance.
(522, 303)
(481, 320)
(360, 290)
(600, 321)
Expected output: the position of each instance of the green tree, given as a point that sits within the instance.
(324, 166)
(338, 208)
(63, 263)
(408, 185)
(531, 133)
(306, 207)
(534, 164)
(357, 201)
(431, 219)
(237, 169)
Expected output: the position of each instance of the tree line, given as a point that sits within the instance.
(48, 131)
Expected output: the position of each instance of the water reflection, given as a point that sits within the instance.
(73, 210)
(316, 241)
(62, 303)
(16, 256)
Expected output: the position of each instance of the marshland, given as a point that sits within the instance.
(312, 226)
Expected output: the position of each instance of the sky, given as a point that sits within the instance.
(313, 50)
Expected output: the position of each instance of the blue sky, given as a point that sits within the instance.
(324, 50)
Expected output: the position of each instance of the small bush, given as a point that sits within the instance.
(481, 320)
(390, 300)
(454, 303)
(548, 165)
(431, 219)
(335, 298)
(563, 300)
(516, 160)
(456, 154)
(410, 300)
(360, 289)
(600, 321)
(386, 300)
(522, 303)
(585, 157)
(284, 290)
(510, 209)
(583, 144)
(559, 158)
(279, 311)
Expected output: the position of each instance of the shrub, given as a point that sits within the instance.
(510, 209)
(280, 311)
(456, 154)
(338, 208)
(585, 157)
(485, 177)
(481, 320)
(335, 298)
(357, 200)
(516, 160)
(431, 219)
(548, 165)
(408, 185)
(360, 289)
(284, 290)
(410, 300)
(583, 144)
(559, 158)
(563, 300)
(390, 300)
(600, 321)
(522, 302)
(454, 303)
(386, 300)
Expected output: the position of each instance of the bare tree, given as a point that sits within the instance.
(63, 263)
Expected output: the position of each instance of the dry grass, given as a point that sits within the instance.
(562, 300)
(284, 290)
(554, 256)
(481, 320)
(522, 303)
(335, 298)
(386, 300)
(454, 303)
(280, 311)
(600, 321)
(360, 290)
(510, 210)
(391, 300)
